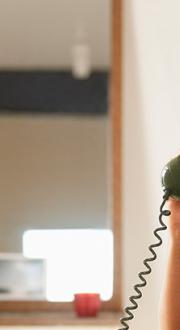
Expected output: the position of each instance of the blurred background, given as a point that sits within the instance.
(55, 65)
(150, 132)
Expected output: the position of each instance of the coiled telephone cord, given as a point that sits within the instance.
(141, 275)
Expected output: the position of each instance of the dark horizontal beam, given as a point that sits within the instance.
(53, 92)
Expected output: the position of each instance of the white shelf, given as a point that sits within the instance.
(12, 256)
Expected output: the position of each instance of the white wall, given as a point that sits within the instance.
(151, 134)
(53, 174)
(41, 33)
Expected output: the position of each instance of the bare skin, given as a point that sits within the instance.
(170, 306)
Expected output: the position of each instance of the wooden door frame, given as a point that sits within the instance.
(115, 113)
(115, 119)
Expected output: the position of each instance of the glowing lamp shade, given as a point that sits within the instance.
(78, 261)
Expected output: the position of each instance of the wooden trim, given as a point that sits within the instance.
(115, 117)
(116, 88)
(44, 306)
(59, 318)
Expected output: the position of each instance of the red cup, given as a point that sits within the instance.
(87, 304)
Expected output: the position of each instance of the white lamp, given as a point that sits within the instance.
(81, 57)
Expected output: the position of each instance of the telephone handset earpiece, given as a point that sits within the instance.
(170, 179)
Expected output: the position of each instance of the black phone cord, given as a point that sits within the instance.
(141, 275)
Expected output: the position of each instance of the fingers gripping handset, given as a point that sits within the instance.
(170, 179)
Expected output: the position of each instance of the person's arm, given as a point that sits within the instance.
(170, 303)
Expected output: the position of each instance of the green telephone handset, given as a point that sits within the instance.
(170, 179)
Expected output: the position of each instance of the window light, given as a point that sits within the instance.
(78, 260)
